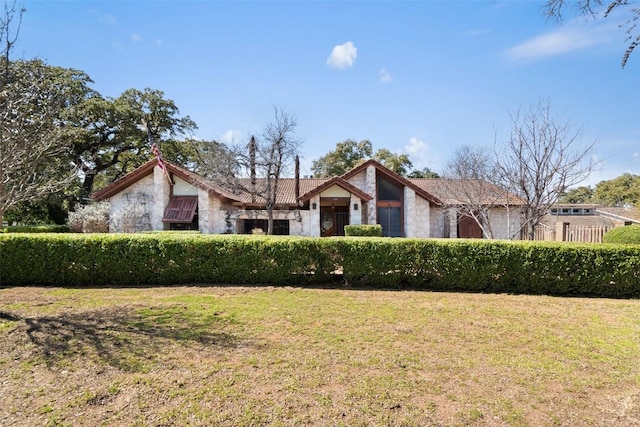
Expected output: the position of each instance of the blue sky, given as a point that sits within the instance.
(415, 77)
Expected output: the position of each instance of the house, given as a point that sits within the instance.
(583, 222)
(149, 199)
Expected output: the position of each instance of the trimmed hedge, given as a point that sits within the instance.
(421, 264)
(35, 229)
(363, 230)
(629, 234)
(143, 259)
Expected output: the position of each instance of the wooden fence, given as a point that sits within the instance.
(585, 234)
(572, 233)
(544, 232)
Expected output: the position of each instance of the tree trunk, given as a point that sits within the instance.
(269, 220)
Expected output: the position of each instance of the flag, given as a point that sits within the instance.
(156, 152)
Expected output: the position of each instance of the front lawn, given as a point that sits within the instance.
(235, 356)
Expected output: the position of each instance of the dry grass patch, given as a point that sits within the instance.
(284, 356)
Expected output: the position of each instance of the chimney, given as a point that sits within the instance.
(297, 177)
(252, 166)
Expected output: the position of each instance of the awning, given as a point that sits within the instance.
(180, 209)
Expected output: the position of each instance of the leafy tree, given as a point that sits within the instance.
(47, 210)
(424, 173)
(110, 140)
(540, 160)
(596, 8)
(582, 194)
(399, 163)
(34, 143)
(345, 157)
(620, 191)
(350, 153)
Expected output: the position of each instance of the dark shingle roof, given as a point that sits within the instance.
(457, 192)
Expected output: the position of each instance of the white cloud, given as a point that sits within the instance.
(415, 146)
(230, 136)
(570, 37)
(136, 37)
(385, 76)
(635, 156)
(421, 154)
(343, 56)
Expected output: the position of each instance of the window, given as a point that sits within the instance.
(390, 217)
(388, 190)
(572, 211)
(280, 226)
(181, 209)
(389, 206)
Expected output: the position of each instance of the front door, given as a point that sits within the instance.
(332, 220)
(468, 228)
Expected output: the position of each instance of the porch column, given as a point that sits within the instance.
(409, 212)
(161, 193)
(314, 217)
(370, 188)
(355, 210)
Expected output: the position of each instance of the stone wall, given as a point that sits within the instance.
(505, 223)
(132, 210)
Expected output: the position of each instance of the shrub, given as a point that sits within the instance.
(421, 264)
(363, 230)
(91, 218)
(35, 229)
(629, 234)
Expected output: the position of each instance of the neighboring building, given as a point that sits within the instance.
(148, 199)
(583, 222)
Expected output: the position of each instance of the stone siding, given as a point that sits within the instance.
(131, 209)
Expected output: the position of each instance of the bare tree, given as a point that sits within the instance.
(256, 168)
(596, 8)
(469, 181)
(32, 143)
(541, 158)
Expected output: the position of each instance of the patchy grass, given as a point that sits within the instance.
(284, 356)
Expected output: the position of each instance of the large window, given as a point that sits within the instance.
(390, 217)
(387, 190)
(280, 226)
(390, 197)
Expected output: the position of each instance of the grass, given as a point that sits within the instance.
(284, 356)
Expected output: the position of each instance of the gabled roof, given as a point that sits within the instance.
(286, 196)
(392, 176)
(146, 169)
(454, 192)
(438, 191)
(340, 182)
(621, 214)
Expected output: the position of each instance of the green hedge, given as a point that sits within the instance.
(113, 259)
(421, 264)
(35, 229)
(629, 234)
(363, 230)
